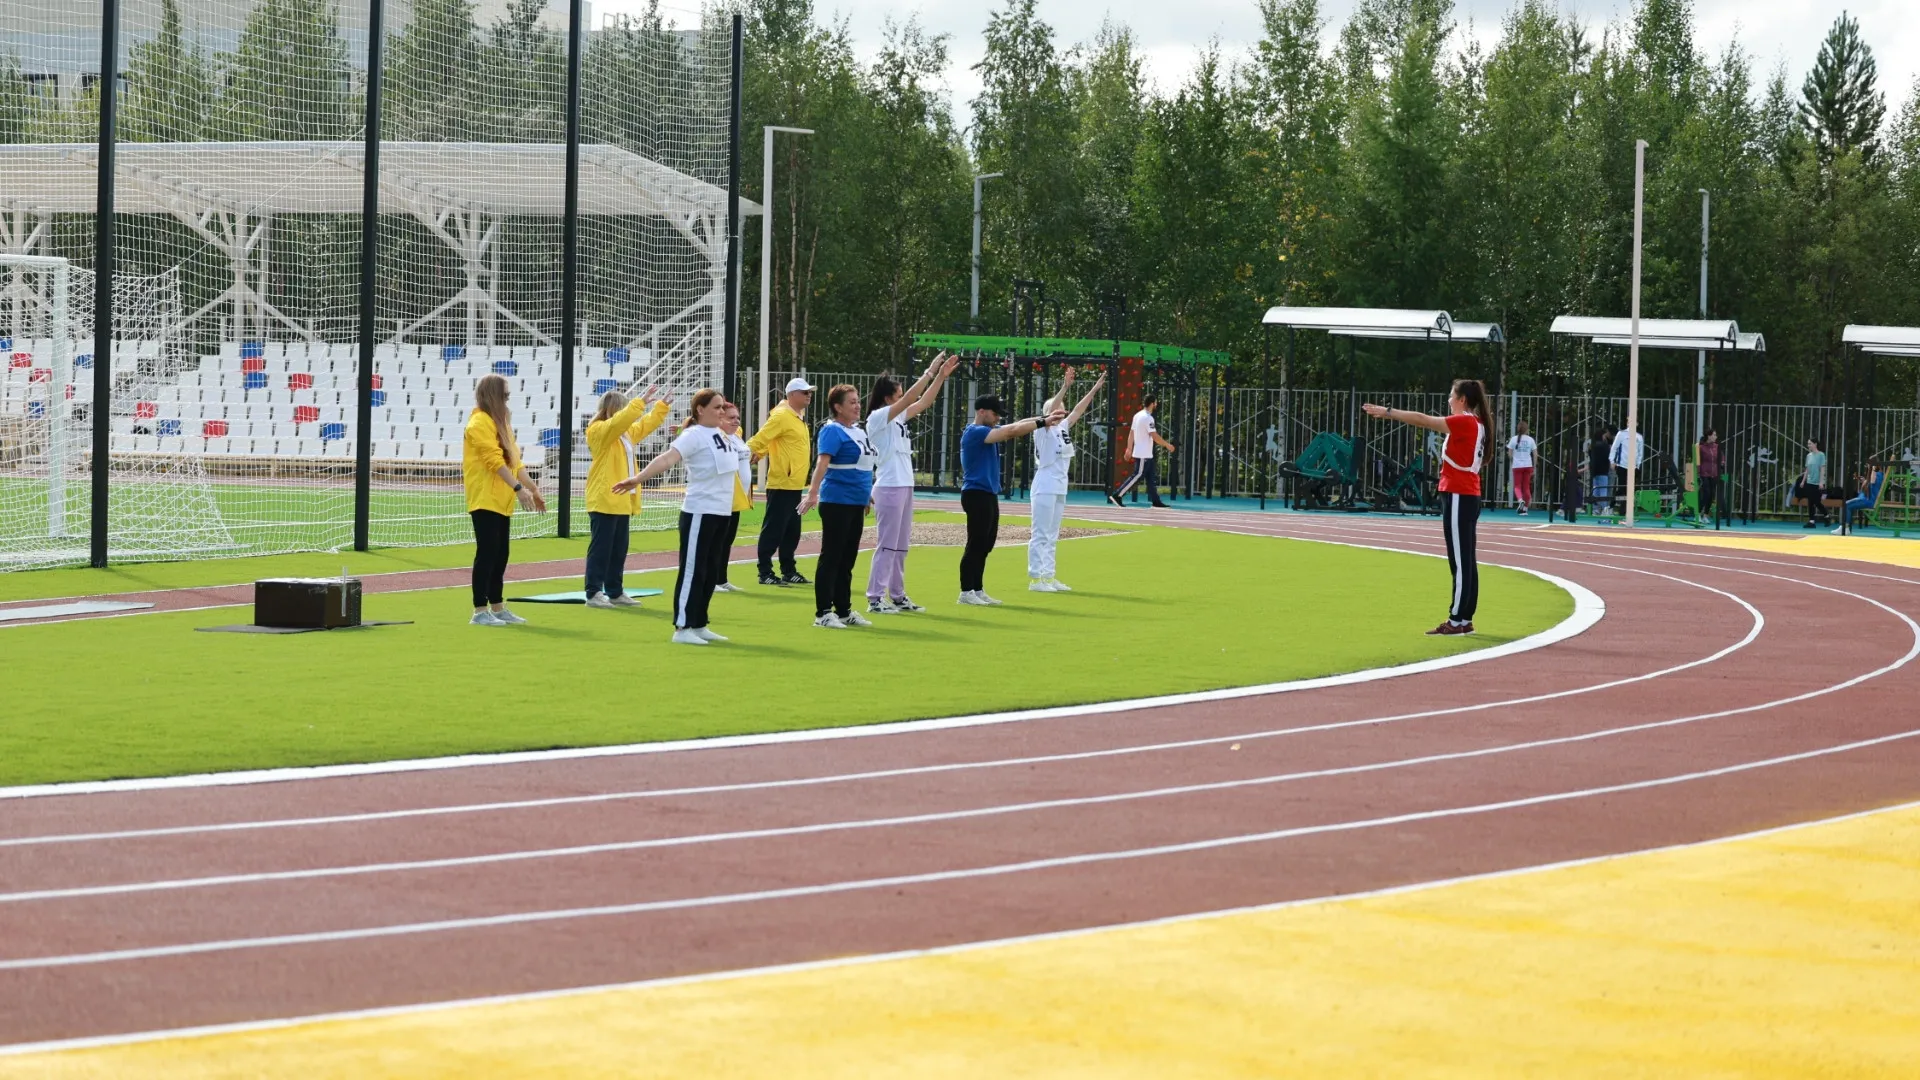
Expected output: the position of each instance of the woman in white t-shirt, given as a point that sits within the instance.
(1052, 454)
(889, 408)
(1522, 448)
(713, 466)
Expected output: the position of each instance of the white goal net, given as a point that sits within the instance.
(161, 504)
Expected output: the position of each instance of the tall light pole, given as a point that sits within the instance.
(973, 308)
(766, 258)
(1700, 378)
(1633, 341)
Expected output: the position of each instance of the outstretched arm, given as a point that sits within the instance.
(1028, 426)
(928, 388)
(667, 460)
(1417, 419)
(1081, 409)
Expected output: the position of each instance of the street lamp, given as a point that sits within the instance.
(973, 309)
(766, 256)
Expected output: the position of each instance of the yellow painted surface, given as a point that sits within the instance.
(1817, 543)
(1791, 955)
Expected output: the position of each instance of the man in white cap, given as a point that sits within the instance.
(783, 441)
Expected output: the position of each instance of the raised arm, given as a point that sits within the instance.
(1417, 419)
(1020, 428)
(927, 388)
(1080, 410)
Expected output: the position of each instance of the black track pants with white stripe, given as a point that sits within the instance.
(1460, 517)
(703, 551)
(1143, 469)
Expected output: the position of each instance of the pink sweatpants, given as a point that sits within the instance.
(893, 513)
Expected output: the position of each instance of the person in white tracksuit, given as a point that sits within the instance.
(1052, 453)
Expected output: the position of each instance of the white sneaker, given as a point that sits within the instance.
(881, 607)
(727, 586)
(1046, 585)
(1058, 585)
(623, 600)
(985, 599)
(975, 599)
(905, 606)
(688, 637)
(854, 618)
(484, 618)
(600, 600)
(830, 621)
(508, 618)
(708, 635)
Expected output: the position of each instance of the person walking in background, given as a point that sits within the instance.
(1622, 460)
(617, 428)
(1599, 470)
(742, 491)
(1521, 449)
(1052, 454)
(1813, 484)
(980, 488)
(1707, 497)
(843, 489)
(1145, 436)
(496, 479)
(713, 467)
(783, 441)
(889, 408)
(1468, 430)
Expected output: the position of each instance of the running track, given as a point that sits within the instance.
(1722, 692)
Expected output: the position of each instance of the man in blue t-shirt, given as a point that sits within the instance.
(980, 487)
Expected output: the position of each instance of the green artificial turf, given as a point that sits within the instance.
(1154, 611)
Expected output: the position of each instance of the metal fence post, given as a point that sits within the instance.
(369, 263)
(570, 265)
(101, 410)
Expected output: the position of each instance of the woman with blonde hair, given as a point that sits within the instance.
(616, 429)
(496, 478)
(713, 468)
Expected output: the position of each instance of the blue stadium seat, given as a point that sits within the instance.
(332, 432)
(602, 386)
(550, 438)
(169, 427)
(249, 349)
(84, 360)
(255, 380)
(379, 398)
(450, 353)
(508, 368)
(617, 354)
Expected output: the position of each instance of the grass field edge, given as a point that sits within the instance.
(1588, 609)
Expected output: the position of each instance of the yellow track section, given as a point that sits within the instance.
(1817, 543)
(1792, 954)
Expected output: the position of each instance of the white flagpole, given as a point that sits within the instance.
(1633, 343)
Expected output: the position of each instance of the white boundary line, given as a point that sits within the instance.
(278, 1024)
(1588, 609)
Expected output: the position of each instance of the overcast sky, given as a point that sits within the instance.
(1171, 33)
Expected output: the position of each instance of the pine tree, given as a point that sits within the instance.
(169, 86)
(1841, 106)
(290, 78)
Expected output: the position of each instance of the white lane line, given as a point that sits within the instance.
(1588, 609)
(91, 1042)
(987, 811)
(1757, 623)
(931, 877)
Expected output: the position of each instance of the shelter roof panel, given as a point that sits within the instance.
(325, 178)
(1472, 333)
(1696, 334)
(1392, 322)
(1885, 340)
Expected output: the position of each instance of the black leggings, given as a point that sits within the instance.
(1708, 497)
(703, 550)
(840, 526)
(733, 533)
(1461, 516)
(492, 534)
(983, 529)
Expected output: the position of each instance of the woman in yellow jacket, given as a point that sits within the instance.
(615, 430)
(496, 479)
(742, 488)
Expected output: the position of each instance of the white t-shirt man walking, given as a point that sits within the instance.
(1145, 437)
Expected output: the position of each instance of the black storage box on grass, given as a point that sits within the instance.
(307, 603)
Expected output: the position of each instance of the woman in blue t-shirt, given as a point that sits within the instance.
(980, 488)
(843, 489)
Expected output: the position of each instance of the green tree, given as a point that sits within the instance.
(1841, 106)
(431, 71)
(169, 86)
(290, 78)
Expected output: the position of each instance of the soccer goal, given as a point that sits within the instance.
(160, 503)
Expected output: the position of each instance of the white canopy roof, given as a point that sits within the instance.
(1712, 335)
(1478, 332)
(266, 178)
(1884, 340)
(1364, 322)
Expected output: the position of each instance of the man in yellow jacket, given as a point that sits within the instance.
(784, 442)
(618, 426)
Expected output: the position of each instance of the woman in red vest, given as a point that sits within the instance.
(1469, 431)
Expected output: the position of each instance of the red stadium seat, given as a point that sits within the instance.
(144, 410)
(22, 359)
(213, 429)
(40, 374)
(252, 364)
(306, 414)
(300, 380)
